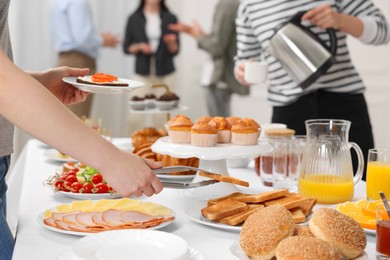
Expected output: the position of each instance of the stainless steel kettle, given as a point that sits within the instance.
(302, 54)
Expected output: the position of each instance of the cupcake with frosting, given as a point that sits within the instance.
(245, 132)
(203, 134)
(179, 129)
(223, 127)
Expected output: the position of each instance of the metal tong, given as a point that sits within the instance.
(182, 185)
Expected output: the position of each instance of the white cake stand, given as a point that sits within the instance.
(211, 159)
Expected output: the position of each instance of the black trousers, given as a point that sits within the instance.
(328, 105)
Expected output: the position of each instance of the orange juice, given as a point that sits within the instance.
(327, 189)
(378, 179)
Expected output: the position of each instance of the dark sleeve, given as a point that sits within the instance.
(129, 35)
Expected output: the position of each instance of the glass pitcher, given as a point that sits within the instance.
(326, 172)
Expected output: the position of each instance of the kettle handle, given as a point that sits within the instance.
(297, 19)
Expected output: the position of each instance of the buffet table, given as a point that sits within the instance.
(28, 197)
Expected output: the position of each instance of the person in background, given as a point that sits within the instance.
(339, 93)
(51, 122)
(148, 38)
(220, 43)
(154, 46)
(76, 40)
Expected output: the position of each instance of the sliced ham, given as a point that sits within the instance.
(112, 217)
(58, 216)
(85, 219)
(132, 216)
(50, 222)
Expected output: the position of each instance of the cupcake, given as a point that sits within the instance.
(203, 119)
(223, 127)
(137, 103)
(150, 100)
(245, 132)
(179, 129)
(232, 119)
(203, 134)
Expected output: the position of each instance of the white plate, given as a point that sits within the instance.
(41, 217)
(194, 255)
(236, 250)
(52, 154)
(193, 212)
(370, 231)
(104, 89)
(89, 196)
(132, 244)
(218, 152)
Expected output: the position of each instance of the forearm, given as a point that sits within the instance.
(48, 119)
(173, 47)
(350, 25)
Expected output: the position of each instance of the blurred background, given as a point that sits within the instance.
(33, 50)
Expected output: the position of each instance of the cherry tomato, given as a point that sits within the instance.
(75, 187)
(87, 187)
(63, 177)
(71, 178)
(71, 173)
(97, 178)
(58, 184)
(67, 186)
(101, 188)
(74, 171)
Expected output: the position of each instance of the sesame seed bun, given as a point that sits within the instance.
(341, 231)
(306, 248)
(264, 229)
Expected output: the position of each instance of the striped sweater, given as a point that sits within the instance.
(256, 22)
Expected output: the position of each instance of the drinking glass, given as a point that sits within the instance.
(378, 173)
(382, 233)
(286, 164)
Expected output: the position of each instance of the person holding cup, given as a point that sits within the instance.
(339, 93)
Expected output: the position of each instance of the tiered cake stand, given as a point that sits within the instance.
(211, 159)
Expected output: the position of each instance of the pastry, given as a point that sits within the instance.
(245, 132)
(203, 134)
(102, 79)
(223, 127)
(179, 129)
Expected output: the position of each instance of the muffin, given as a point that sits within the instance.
(203, 134)
(245, 132)
(137, 103)
(223, 127)
(179, 129)
(232, 119)
(150, 100)
(169, 97)
(203, 119)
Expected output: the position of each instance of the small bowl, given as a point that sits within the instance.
(137, 104)
(165, 105)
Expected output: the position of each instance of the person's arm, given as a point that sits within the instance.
(360, 19)
(50, 121)
(325, 17)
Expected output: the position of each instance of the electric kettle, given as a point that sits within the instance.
(302, 54)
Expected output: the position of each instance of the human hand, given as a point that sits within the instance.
(66, 93)
(239, 73)
(170, 38)
(324, 17)
(140, 47)
(131, 175)
(194, 30)
(110, 40)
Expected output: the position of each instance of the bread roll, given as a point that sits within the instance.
(341, 231)
(306, 248)
(264, 229)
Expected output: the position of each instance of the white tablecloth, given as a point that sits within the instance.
(35, 242)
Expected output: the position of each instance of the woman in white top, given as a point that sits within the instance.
(336, 94)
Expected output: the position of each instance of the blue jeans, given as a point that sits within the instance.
(6, 238)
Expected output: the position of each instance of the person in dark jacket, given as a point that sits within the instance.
(148, 38)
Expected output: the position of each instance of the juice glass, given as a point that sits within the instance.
(378, 173)
(382, 233)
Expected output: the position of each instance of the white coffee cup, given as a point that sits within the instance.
(256, 72)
